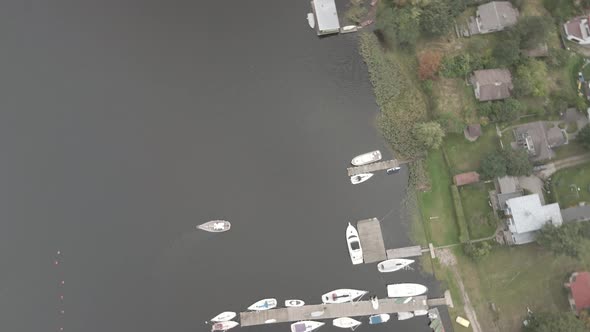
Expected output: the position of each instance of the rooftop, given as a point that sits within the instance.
(529, 215)
(578, 213)
(493, 84)
(496, 15)
(508, 184)
(466, 178)
(580, 290)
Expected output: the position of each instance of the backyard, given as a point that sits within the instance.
(572, 185)
(480, 216)
(464, 156)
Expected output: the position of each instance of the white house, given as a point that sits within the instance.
(526, 216)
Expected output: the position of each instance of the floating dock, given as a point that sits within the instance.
(371, 239)
(406, 252)
(378, 166)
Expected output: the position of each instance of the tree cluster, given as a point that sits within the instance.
(501, 111)
(531, 79)
(476, 251)
(429, 134)
(506, 162)
(554, 322)
(584, 136)
(569, 239)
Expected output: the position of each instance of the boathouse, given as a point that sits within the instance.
(326, 17)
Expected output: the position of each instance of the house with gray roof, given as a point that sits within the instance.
(493, 16)
(525, 216)
(506, 187)
(577, 213)
(492, 84)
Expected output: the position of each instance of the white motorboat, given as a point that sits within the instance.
(294, 303)
(342, 295)
(366, 158)
(305, 326)
(420, 312)
(375, 302)
(378, 319)
(270, 321)
(360, 178)
(346, 323)
(215, 226)
(403, 315)
(263, 304)
(354, 245)
(405, 290)
(348, 29)
(310, 20)
(392, 265)
(224, 326)
(224, 316)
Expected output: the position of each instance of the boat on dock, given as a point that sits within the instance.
(349, 29)
(405, 290)
(224, 316)
(263, 304)
(374, 302)
(306, 326)
(354, 245)
(215, 226)
(403, 315)
(224, 326)
(311, 20)
(395, 264)
(420, 312)
(342, 295)
(366, 158)
(378, 319)
(346, 323)
(294, 303)
(360, 178)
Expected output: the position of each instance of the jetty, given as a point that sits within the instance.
(378, 166)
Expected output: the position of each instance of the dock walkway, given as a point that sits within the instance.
(371, 239)
(378, 166)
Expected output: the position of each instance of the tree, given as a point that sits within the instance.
(555, 322)
(507, 53)
(584, 136)
(428, 64)
(400, 25)
(477, 250)
(533, 30)
(451, 123)
(493, 165)
(531, 79)
(436, 18)
(429, 134)
(517, 162)
(501, 111)
(562, 240)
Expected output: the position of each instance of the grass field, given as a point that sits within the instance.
(464, 156)
(480, 216)
(569, 150)
(572, 185)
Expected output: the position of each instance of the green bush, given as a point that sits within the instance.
(461, 221)
(478, 250)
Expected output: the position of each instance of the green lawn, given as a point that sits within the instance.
(572, 185)
(438, 204)
(464, 156)
(480, 216)
(569, 150)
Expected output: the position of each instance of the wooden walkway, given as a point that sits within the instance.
(371, 239)
(373, 167)
(311, 312)
(413, 251)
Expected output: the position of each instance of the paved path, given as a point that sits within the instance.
(557, 165)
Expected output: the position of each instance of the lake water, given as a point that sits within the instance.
(123, 124)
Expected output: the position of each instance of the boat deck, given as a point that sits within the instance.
(371, 240)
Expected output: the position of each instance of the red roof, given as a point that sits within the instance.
(466, 178)
(580, 287)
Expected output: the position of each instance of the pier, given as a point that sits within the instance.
(406, 252)
(370, 168)
(371, 239)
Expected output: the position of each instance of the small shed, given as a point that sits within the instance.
(472, 132)
(579, 286)
(466, 178)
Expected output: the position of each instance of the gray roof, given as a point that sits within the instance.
(326, 16)
(502, 198)
(578, 213)
(523, 238)
(496, 15)
(529, 215)
(508, 184)
(555, 136)
(494, 84)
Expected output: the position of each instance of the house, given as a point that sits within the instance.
(465, 178)
(577, 213)
(472, 132)
(538, 139)
(492, 84)
(326, 17)
(507, 187)
(579, 286)
(526, 216)
(493, 16)
(577, 30)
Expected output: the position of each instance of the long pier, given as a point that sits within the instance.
(378, 166)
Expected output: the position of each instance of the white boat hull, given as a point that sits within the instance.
(306, 326)
(404, 315)
(342, 295)
(224, 326)
(392, 265)
(294, 303)
(354, 245)
(311, 20)
(405, 290)
(366, 158)
(346, 323)
(420, 312)
(378, 319)
(263, 304)
(215, 226)
(360, 178)
(224, 316)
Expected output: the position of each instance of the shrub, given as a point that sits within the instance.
(477, 250)
(461, 221)
(428, 64)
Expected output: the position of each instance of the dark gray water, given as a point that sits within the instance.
(123, 124)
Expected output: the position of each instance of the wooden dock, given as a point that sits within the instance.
(370, 168)
(406, 252)
(371, 239)
(328, 311)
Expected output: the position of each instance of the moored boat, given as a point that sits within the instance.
(366, 158)
(346, 323)
(215, 226)
(263, 304)
(374, 302)
(420, 312)
(405, 290)
(403, 315)
(354, 245)
(378, 319)
(360, 178)
(342, 295)
(306, 326)
(392, 265)
(294, 303)
(348, 29)
(311, 20)
(224, 316)
(224, 326)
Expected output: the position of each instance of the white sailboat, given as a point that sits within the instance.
(224, 316)
(360, 178)
(306, 326)
(354, 245)
(392, 265)
(366, 158)
(224, 326)
(405, 290)
(342, 295)
(346, 323)
(311, 20)
(420, 312)
(215, 226)
(403, 315)
(378, 319)
(263, 304)
(294, 303)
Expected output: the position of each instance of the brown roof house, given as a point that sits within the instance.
(493, 16)
(465, 178)
(577, 30)
(579, 286)
(472, 132)
(492, 84)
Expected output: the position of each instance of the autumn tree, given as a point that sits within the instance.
(429, 63)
